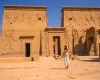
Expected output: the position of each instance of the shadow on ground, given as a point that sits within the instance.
(58, 68)
(92, 60)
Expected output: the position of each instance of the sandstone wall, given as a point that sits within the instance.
(80, 20)
(21, 22)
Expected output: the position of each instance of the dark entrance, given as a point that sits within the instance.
(91, 46)
(99, 50)
(56, 45)
(91, 41)
(27, 45)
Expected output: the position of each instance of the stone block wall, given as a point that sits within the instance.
(22, 21)
(80, 19)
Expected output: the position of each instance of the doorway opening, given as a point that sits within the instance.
(56, 45)
(27, 49)
(91, 45)
(99, 50)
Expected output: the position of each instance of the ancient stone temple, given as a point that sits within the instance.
(83, 28)
(25, 32)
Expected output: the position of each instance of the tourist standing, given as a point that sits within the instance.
(66, 57)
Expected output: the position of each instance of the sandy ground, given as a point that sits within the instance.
(47, 68)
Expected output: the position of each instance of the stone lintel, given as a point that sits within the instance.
(54, 29)
(26, 37)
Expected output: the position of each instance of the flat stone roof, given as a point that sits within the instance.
(25, 7)
(55, 29)
(79, 7)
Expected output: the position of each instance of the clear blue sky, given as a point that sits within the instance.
(53, 7)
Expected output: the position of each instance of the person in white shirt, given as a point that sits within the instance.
(66, 57)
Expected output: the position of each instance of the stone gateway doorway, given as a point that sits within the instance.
(91, 41)
(56, 45)
(91, 46)
(27, 49)
(99, 50)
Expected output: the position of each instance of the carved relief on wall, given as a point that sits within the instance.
(75, 36)
(4, 46)
(7, 19)
(83, 35)
(7, 16)
(15, 19)
(29, 20)
(46, 39)
(92, 18)
(67, 40)
(98, 20)
(22, 17)
(89, 19)
(12, 19)
(9, 34)
(80, 21)
(68, 20)
(75, 21)
(86, 19)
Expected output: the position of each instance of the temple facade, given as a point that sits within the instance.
(25, 32)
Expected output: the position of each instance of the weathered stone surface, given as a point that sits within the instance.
(25, 32)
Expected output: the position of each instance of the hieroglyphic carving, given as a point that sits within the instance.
(80, 21)
(7, 16)
(75, 35)
(87, 19)
(70, 23)
(84, 35)
(98, 20)
(7, 21)
(4, 45)
(30, 21)
(67, 40)
(10, 35)
(46, 39)
(22, 18)
(75, 20)
(92, 18)
(15, 19)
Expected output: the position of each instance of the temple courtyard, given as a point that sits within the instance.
(49, 68)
